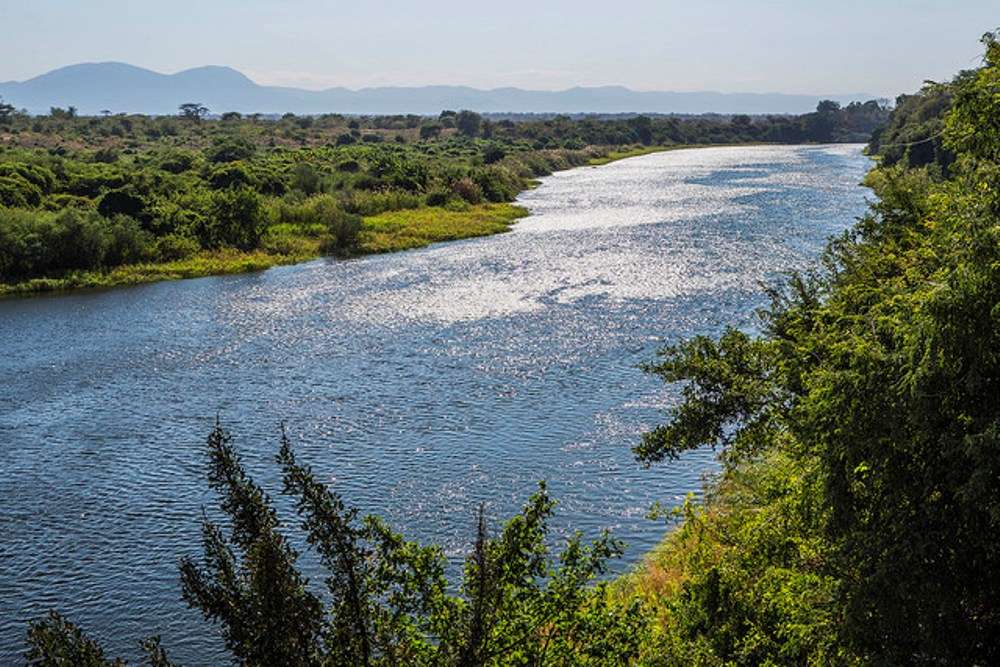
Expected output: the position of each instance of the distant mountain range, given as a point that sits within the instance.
(119, 87)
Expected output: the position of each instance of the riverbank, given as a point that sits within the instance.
(391, 231)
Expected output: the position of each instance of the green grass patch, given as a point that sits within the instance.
(614, 156)
(415, 228)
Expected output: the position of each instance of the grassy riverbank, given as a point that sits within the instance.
(387, 232)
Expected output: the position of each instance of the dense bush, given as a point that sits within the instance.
(174, 247)
(236, 219)
(231, 175)
(124, 201)
(230, 149)
(178, 161)
(498, 183)
(39, 176)
(38, 243)
(17, 192)
(468, 189)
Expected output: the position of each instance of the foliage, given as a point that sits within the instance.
(854, 520)
(385, 600)
(236, 219)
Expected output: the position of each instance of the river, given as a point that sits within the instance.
(419, 384)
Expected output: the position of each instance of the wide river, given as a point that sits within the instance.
(420, 383)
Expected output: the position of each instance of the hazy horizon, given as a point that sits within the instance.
(779, 47)
(848, 93)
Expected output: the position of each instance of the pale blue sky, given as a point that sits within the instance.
(881, 47)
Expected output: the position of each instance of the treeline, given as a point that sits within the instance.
(63, 130)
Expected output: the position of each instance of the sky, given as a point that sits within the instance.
(876, 47)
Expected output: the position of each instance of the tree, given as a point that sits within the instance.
(385, 600)
(430, 131)
(6, 112)
(874, 388)
(468, 122)
(827, 107)
(237, 219)
(193, 111)
(741, 121)
(642, 126)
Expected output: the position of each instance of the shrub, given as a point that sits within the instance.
(493, 153)
(281, 242)
(306, 178)
(175, 246)
(106, 155)
(90, 180)
(430, 131)
(59, 202)
(39, 176)
(121, 202)
(498, 184)
(38, 243)
(342, 233)
(468, 190)
(16, 192)
(127, 242)
(438, 197)
(230, 149)
(269, 182)
(231, 175)
(349, 166)
(387, 600)
(236, 218)
(177, 161)
(372, 203)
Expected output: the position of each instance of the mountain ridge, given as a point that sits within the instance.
(94, 87)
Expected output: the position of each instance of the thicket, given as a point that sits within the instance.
(856, 518)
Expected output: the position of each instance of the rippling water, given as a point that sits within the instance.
(419, 383)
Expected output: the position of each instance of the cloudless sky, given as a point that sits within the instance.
(880, 47)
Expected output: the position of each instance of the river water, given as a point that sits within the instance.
(420, 383)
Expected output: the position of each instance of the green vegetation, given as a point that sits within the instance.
(855, 521)
(88, 201)
(386, 601)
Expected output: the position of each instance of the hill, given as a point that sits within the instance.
(119, 87)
